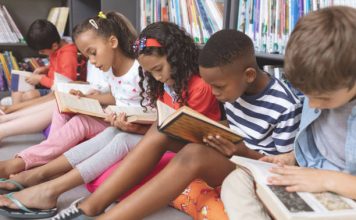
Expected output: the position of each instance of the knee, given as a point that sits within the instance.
(191, 157)
(30, 95)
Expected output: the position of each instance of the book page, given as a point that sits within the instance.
(164, 111)
(80, 105)
(297, 205)
(130, 110)
(259, 169)
(61, 78)
(66, 87)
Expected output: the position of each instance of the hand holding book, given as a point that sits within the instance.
(225, 146)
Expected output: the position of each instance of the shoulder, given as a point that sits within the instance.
(197, 84)
(68, 49)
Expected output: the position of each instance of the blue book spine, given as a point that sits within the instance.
(204, 17)
(15, 78)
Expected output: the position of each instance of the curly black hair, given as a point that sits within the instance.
(224, 47)
(182, 55)
(114, 24)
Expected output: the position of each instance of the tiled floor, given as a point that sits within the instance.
(10, 146)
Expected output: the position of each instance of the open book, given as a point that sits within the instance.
(136, 115)
(18, 81)
(285, 205)
(68, 103)
(190, 125)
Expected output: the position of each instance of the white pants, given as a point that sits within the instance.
(240, 199)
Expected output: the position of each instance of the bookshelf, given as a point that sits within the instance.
(23, 17)
(269, 23)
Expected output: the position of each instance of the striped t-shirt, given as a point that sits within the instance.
(268, 121)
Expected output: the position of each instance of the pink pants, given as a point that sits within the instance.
(160, 166)
(67, 130)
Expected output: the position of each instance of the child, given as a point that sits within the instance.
(43, 37)
(67, 131)
(228, 64)
(319, 63)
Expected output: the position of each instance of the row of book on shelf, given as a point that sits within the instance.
(9, 64)
(10, 33)
(200, 18)
(270, 22)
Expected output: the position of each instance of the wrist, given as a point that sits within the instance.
(329, 183)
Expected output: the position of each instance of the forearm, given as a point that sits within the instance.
(29, 103)
(244, 151)
(104, 99)
(340, 183)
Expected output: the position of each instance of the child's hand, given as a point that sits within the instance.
(284, 159)
(40, 70)
(121, 123)
(34, 79)
(77, 93)
(93, 92)
(298, 179)
(223, 145)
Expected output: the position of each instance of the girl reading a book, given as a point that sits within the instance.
(111, 49)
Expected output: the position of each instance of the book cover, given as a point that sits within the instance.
(285, 205)
(189, 125)
(18, 81)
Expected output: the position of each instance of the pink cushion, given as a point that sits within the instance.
(92, 186)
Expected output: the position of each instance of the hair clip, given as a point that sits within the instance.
(102, 15)
(142, 43)
(94, 24)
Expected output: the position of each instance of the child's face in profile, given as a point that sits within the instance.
(99, 50)
(332, 99)
(158, 67)
(228, 82)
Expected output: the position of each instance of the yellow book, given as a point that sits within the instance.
(190, 125)
(6, 68)
(285, 205)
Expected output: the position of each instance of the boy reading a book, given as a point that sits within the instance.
(320, 62)
(43, 37)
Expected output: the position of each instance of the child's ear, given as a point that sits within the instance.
(250, 74)
(114, 42)
(55, 46)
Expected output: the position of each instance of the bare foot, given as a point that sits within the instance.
(12, 166)
(39, 196)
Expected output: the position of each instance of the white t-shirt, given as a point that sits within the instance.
(125, 88)
(98, 78)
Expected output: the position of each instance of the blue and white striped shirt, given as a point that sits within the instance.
(268, 121)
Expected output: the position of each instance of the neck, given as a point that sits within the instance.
(259, 84)
(121, 65)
